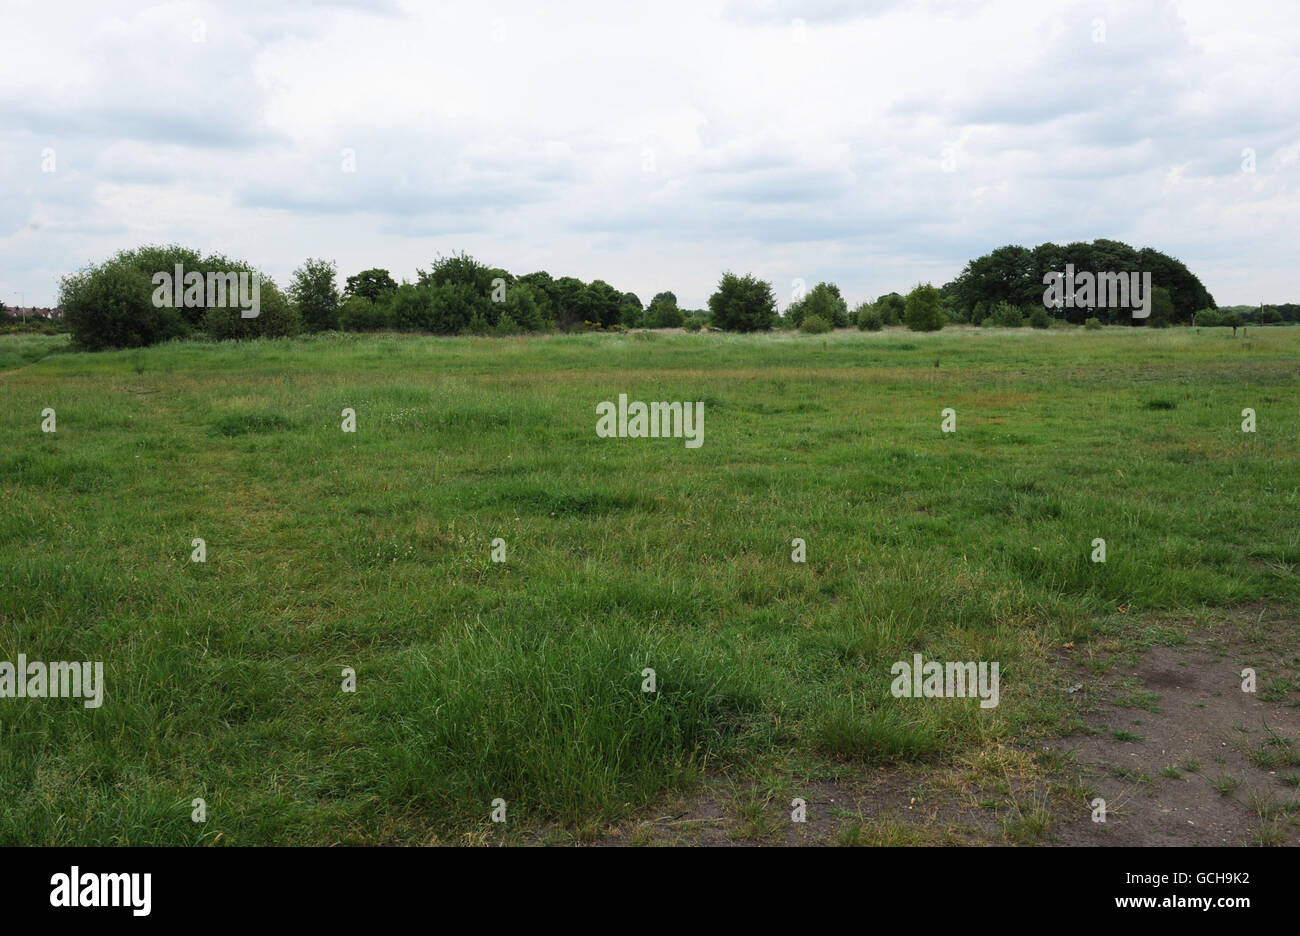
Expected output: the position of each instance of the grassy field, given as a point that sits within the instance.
(522, 680)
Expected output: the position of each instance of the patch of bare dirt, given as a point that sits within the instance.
(1180, 754)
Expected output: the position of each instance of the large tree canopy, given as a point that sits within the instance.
(1014, 275)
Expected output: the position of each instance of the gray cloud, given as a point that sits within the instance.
(653, 145)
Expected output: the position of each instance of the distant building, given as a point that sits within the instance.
(33, 312)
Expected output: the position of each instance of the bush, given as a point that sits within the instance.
(1270, 316)
(122, 303)
(110, 306)
(1210, 318)
(277, 318)
(411, 307)
(314, 294)
(455, 307)
(1093, 324)
(815, 325)
(892, 307)
(868, 317)
(1039, 318)
(522, 311)
(922, 309)
(692, 324)
(824, 301)
(663, 312)
(360, 314)
(1006, 315)
(1162, 308)
(742, 303)
(370, 284)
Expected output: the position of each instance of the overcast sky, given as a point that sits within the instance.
(652, 145)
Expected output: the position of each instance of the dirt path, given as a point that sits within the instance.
(1180, 754)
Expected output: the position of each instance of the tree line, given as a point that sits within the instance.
(113, 304)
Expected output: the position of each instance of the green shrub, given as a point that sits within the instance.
(1093, 324)
(277, 318)
(922, 309)
(120, 303)
(1162, 308)
(1006, 315)
(523, 311)
(692, 324)
(663, 312)
(110, 306)
(742, 303)
(359, 314)
(892, 306)
(869, 317)
(1210, 318)
(815, 325)
(314, 294)
(824, 301)
(1039, 318)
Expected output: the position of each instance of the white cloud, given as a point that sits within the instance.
(651, 145)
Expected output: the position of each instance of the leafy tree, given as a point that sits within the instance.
(793, 315)
(1162, 308)
(460, 294)
(118, 303)
(663, 312)
(544, 293)
(601, 304)
(459, 268)
(743, 303)
(570, 302)
(631, 314)
(277, 318)
(457, 306)
(313, 293)
(868, 317)
(359, 314)
(824, 301)
(1209, 318)
(411, 307)
(1015, 275)
(892, 307)
(1006, 315)
(1004, 275)
(370, 284)
(1269, 315)
(922, 309)
(524, 308)
(110, 306)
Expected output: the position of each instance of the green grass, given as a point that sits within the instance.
(522, 680)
